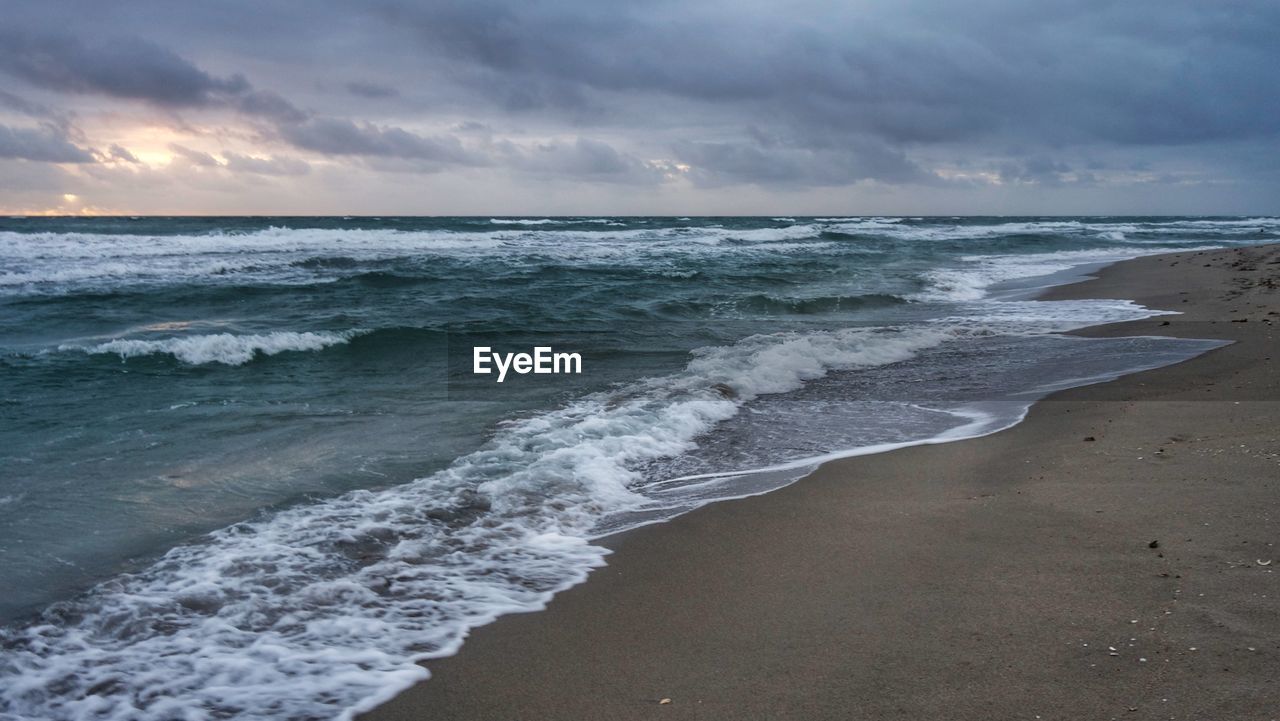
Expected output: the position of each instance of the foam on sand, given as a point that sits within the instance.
(323, 610)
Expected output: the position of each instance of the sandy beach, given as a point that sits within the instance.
(1111, 557)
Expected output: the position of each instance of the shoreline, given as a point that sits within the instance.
(982, 578)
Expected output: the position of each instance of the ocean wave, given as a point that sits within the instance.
(978, 273)
(259, 621)
(45, 263)
(52, 263)
(554, 221)
(224, 348)
(875, 221)
(322, 610)
(1083, 229)
(769, 304)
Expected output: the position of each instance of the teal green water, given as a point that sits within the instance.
(251, 436)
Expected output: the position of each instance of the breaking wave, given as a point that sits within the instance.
(224, 348)
(321, 610)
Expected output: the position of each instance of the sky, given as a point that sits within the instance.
(593, 107)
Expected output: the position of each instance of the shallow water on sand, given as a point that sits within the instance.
(245, 457)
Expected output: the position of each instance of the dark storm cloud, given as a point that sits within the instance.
(53, 140)
(809, 94)
(915, 71)
(124, 68)
(45, 144)
(1062, 71)
(335, 136)
(56, 125)
(268, 105)
(768, 161)
(1041, 170)
(131, 68)
(22, 106)
(583, 158)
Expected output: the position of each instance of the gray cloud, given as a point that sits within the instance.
(1041, 170)
(22, 106)
(583, 158)
(18, 177)
(132, 68)
(46, 144)
(1058, 97)
(125, 68)
(911, 72)
(120, 153)
(241, 163)
(335, 136)
(267, 104)
(766, 161)
(56, 124)
(370, 90)
(238, 163)
(194, 157)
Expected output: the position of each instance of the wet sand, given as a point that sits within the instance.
(1105, 559)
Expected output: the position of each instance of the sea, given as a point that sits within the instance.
(247, 470)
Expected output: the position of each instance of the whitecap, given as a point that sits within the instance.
(225, 348)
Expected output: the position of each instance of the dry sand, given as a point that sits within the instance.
(984, 579)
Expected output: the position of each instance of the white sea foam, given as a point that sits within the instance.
(61, 262)
(972, 279)
(223, 348)
(553, 221)
(876, 221)
(56, 262)
(1080, 229)
(321, 610)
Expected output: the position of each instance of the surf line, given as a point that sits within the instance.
(542, 361)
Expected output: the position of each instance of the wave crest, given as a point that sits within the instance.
(224, 348)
